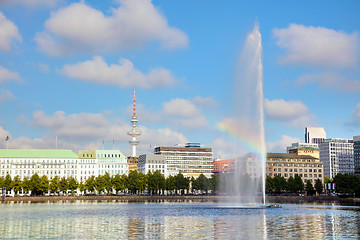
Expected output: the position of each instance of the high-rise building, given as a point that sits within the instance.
(356, 155)
(151, 163)
(314, 134)
(190, 159)
(337, 156)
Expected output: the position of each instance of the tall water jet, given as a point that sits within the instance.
(247, 180)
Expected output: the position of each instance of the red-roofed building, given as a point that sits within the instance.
(223, 166)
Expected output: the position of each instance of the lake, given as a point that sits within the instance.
(175, 220)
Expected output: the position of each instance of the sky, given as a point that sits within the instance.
(68, 70)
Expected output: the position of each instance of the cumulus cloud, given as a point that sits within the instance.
(5, 95)
(6, 75)
(9, 33)
(80, 28)
(280, 145)
(86, 130)
(30, 3)
(295, 112)
(225, 149)
(330, 80)
(186, 112)
(317, 46)
(204, 101)
(123, 74)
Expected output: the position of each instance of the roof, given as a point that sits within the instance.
(37, 153)
(289, 156)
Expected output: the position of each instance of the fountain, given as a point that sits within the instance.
(246, 183)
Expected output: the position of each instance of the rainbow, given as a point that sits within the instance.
(239, 136)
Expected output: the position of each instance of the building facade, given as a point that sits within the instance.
(223, 166)
(356, 155)
(291, 164)
(191, 159)
(151, 163)
(310, 151)
(337, 156)
(314, 134)
(112, 162)
(301, 144)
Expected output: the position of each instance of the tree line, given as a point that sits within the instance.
(152, 183)
(278, 184)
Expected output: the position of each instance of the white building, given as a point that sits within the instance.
(49, 162)
(314, 134)
(151, 163)
(190, 159)
(300, 145)
(337, 156)
(112, 162)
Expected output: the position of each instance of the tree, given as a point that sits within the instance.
(35, 184)
(156, 181)
(100, 184)
(279, 183)
(90, 184)
(73, 184)
(203, 183)
(108, 183)
(63, 185)
(118, 183)
(269, 184)
(26, 185)
(44, 184)
(181, 182)
(17, 184)
(170, 183)
(81, 187)
(54, 185)
(8, 182)
(2, 184)
(291, 184)
(309, 186)
(214, 183)
(142, 182)
(299, 184)
(132, 183)
(318, 186)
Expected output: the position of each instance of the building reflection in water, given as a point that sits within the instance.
(173, 221)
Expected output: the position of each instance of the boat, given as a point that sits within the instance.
(273, 206)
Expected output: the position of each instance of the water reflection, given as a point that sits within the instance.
(84, 220)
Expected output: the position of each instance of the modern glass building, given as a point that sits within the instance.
(357, 155)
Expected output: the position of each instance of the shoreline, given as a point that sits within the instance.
(180, 198)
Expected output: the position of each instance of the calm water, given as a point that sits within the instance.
(116, 220)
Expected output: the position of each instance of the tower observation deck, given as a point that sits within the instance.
(134, 132)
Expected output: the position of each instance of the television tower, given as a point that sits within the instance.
(134, 132)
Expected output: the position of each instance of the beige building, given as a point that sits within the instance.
(291, 164)
(314, 152)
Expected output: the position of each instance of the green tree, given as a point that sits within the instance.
(81, 187)
(8, 182)
(327, 179)
(279, 183)
(2, 180)
(100, 184)
(142, 182)
(118, 183)
(318, 186)
(269, 184)
(132, 183)
(26, 185)
(73, 185)
(214, 183)
(299, 184)
(309, 186)
(203, 183)
(170, 183)
(181, 182)
(35, 184)
(16, 184)
(108, 183)
(90, 184)
(156, 182)
(44, 185)
(63, 185)
(290, 183)
(54, 185)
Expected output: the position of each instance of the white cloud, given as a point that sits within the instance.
(31, 3)
(356, 112)
(317, 46)
(80, 28)
(5, 95)
(44, 68)
(330, 80)
(6, 75)
(123, 74)
(295, 112)
(8, 33)
(280, 145)
(206, 102)
(86, 130)
(189, 115)
(225, 149)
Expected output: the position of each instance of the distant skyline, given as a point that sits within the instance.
(68, 69)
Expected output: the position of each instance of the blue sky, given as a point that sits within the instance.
(69, 68)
